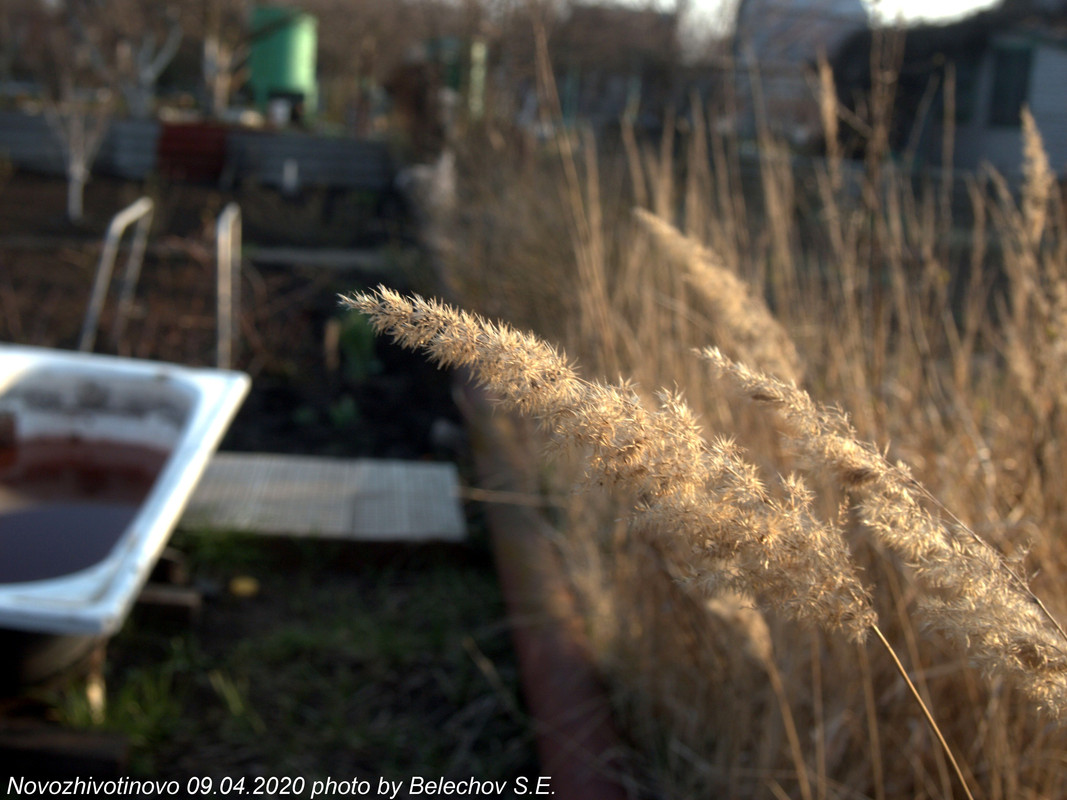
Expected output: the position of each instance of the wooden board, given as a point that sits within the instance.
(360, 499)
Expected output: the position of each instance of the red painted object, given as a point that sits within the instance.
(576, 739)
(192, 151)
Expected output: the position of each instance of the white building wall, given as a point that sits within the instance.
(775, 42)
(1048, 103)
(978, 142)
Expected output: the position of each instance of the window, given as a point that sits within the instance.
(965, 74)
(1011, 85)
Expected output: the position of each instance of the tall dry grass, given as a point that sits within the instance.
(856, 328)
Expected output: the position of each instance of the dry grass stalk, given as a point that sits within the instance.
(744, 325)
(698, 496)
(584, 213)
(881, 358)
(970, 596)
(1038, 180)
(828, 112)
(1033, 319)
(700, 501)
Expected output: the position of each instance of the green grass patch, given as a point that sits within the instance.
(345, 662)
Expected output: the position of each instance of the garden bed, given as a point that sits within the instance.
(350, 660)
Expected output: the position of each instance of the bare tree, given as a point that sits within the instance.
(77, 106)
(140, 61)
(224, 51)
(96, 51)
(130, 43)
(15, 23)
(81, 123)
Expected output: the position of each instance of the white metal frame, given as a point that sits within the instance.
(139, 212)
(228, 256)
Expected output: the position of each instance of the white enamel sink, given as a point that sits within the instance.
(101, 402)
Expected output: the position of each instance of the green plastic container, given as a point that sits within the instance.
(282, 57)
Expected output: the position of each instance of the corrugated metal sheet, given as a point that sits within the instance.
(28, 142)
(129, 151)
(132, 150)
(318, 160)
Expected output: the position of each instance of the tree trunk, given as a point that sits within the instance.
(77, 177)
(81, 132)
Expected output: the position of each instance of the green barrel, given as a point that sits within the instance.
(282, 58)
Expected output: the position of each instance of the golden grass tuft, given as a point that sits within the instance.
(704, 498)
(939, 328)
(698, 495)
(744, 326)
(970, 594)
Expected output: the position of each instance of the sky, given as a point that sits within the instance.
(712, 11)
(911, 10)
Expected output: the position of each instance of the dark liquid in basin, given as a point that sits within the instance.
(64, 503)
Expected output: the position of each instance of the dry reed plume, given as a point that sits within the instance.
(937, 323)
(695, 495)
(744, 326)
(970, 595)
(705, 502)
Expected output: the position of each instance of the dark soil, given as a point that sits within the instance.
(347, 661)
(361, 397)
